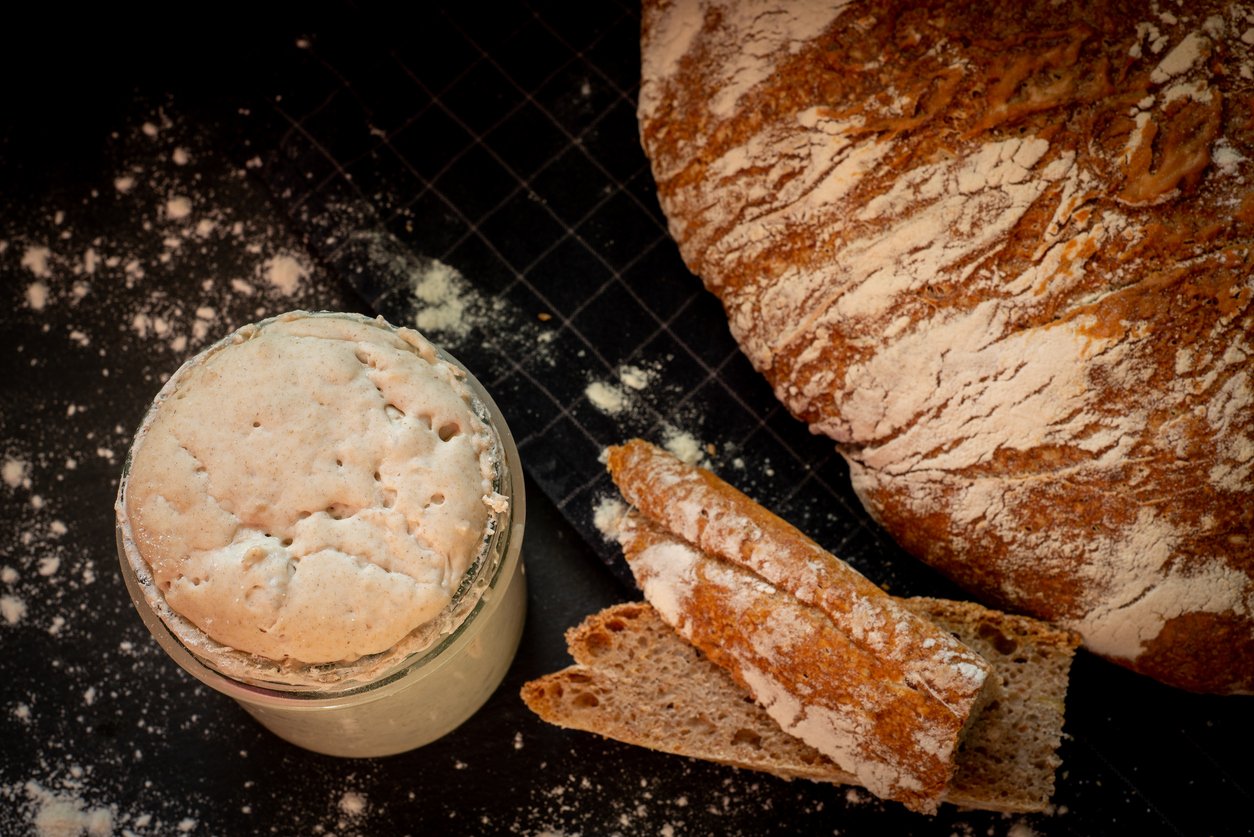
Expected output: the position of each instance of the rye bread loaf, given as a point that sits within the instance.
(635, 680)
(1001, 254)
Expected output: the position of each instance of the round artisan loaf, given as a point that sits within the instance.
(1001, 253)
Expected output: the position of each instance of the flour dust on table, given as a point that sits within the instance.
(174, 247)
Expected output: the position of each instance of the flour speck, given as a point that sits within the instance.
(352, 804)
(37, 295)
(15, 473)
(12, 609)
(178, 207)
(285, 273)
(605, 397)
(35, 259)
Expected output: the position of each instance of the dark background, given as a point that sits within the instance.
(499, 140)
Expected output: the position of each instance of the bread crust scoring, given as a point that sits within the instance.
(1001, 253)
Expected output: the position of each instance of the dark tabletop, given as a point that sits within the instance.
(167, 175)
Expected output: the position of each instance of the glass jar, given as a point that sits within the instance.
(441, 674)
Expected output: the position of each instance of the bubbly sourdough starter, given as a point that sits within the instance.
(322, 518)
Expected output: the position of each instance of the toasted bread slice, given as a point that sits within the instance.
(637, 681)
(832, 657)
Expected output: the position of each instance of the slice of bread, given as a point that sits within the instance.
(637, 681)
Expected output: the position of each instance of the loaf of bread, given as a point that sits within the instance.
(635, 680)
(832, 658)
(1001, 254)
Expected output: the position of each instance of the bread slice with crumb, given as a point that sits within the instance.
(637, 681)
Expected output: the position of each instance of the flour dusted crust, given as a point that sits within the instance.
(311, 490)
(1001, 253)
(713, 516)
(832, 658)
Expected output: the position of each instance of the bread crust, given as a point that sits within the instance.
(699, 507)
(1001, 254)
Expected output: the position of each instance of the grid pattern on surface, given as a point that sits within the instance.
(503, 143)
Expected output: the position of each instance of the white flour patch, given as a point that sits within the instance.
(636, 378)
(607, 515)
(178, 208)
(35, 259)
(352, 804)
(605, 397)
(66, 815)
(285, 273)
(15, 473)
(444, 299)
(629, 395)
(686, 447)
(37, 295)
(446, 307)
(12, 609)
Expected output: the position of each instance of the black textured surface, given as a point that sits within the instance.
(499, 141)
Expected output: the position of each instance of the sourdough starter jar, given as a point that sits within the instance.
(321, 516)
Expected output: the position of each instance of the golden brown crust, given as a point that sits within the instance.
(696, 505)
(1001, 253)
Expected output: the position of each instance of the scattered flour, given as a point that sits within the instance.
(596, 801)
(606, 515)
(445, 306)
(285, 272)
(181, 258)
(632, 401)
(12, 609)
(37, 295)
(35, 259)
(444, 299)
(353, 804)
(633, 377)
(607, 398)
(685, 446)
(66, 815)
(178, 208)
(15, 473)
